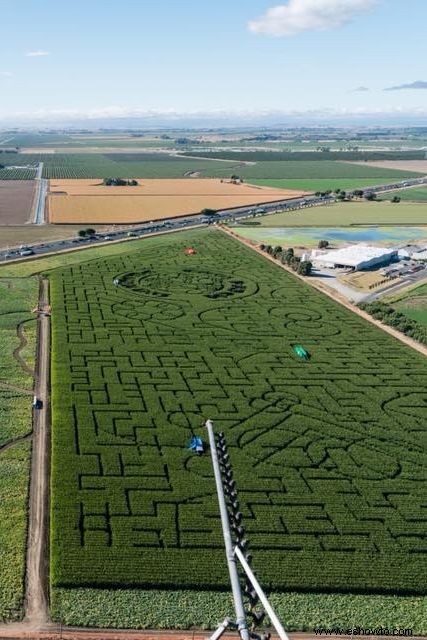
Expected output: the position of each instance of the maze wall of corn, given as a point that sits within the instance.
(328, 455)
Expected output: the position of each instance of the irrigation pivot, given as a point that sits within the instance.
(263, 598)
(220, 460)
(226, 532)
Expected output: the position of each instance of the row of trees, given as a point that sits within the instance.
(388, 315)
(119, 182)
(357, 193)
(87, 233)
(288, 257)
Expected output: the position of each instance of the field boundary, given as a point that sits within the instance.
(59, 632)
(333, 295)
(36, 577)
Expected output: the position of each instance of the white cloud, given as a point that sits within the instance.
(6, 74)
(37, 54)
(173, 116)
(309, 15)
(361, 89)
(418, 84)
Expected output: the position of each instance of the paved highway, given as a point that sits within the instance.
(41, 192)
(172, 224)
(176, 224)
(383, 188)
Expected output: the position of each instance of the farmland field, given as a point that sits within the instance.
(130, 165)
(413, 304)
(355, 157)
(318, 170)
(16, 199)
(327, 454)
(414, 195)
(160, 165)
(137, 609)
(88, 201)
(419, 166)
(348, 214)
(17, 297)
(308, 237)
(20, 172)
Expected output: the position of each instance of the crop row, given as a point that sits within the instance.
(156, 609)
(303, 156)
(327, 454)
(148, 165)
(97, 165)
(17, 173)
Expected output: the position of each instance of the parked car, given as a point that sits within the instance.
(37, 403)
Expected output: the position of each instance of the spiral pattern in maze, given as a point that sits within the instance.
(328, 455)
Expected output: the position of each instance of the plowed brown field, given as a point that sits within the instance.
(88, 201)
(419, 166)
(16, 199)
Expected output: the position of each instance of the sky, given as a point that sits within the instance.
(95, 59)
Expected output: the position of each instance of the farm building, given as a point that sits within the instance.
(357, 257)
(420, 255)
(407, 251)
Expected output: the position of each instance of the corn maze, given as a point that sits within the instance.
(329, 455)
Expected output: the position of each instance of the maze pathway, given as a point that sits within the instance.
(329, 455)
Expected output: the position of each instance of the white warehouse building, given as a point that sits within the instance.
(357, 257)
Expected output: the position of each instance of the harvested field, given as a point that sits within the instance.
(418, 166)
(16, 198)
(88, 201)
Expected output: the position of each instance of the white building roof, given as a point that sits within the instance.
(420, 255)
(354, 255)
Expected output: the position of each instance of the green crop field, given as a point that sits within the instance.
(306, 155)
(328, 170)
(14, 474)
(327, 454)
(98, 165)
(23, 170)
(413, 304)
(414, 195)
(349, 213)
(294, 173)
(183, 609)
(17, 297)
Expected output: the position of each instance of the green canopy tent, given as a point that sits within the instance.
(301, 352)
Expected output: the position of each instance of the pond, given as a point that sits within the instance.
(310, 236)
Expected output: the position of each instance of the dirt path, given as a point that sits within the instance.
(12, 443)
(56, 632)
(36, 605)
(22, 344)
(237, 163)
(13, 387)
(334, 295)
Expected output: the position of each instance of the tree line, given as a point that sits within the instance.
(288, 257)
(389, 315)
(119, 182)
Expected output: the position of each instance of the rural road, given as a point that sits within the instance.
(36, 606)
(40, 198)
(58, 632)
